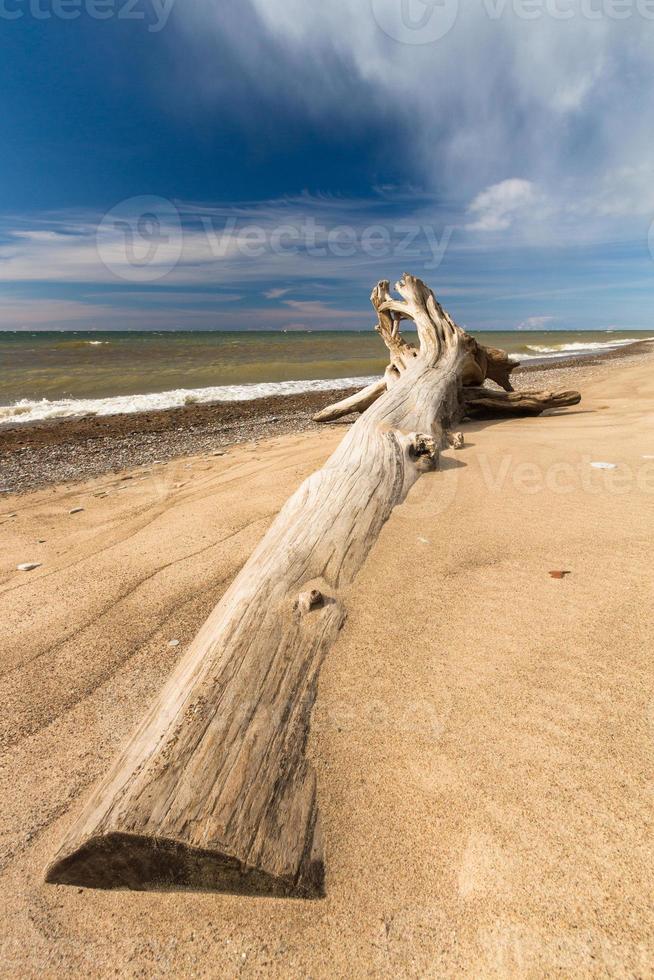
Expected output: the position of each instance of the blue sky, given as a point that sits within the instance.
(261, 163)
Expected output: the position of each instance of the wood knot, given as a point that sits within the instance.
(423, 451)
(455, 440)
(306, 601)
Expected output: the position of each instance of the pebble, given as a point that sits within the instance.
(73, 457)
(40, 540)
(76, 510)
(173, 643)
(604, 466)
(28, 566)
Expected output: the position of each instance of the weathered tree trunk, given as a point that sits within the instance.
(213, 790)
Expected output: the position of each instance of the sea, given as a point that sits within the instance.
(46, 375)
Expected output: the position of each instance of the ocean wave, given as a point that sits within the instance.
(541, 351)
(77, 344)
(26, 410)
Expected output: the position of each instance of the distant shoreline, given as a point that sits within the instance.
(38, 454)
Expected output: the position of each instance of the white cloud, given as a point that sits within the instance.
(276, 293)
(314, 307)
(497, 207)
(535, 323)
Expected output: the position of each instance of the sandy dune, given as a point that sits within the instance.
(483, 734)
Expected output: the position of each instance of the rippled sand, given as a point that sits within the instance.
(483, 732)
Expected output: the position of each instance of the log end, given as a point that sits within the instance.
(130, 861)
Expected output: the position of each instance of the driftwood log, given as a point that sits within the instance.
(213, 790)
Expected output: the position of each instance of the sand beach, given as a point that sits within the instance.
(482, 734)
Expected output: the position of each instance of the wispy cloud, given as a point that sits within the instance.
(312, 308)
(35, 314)
(220, 265)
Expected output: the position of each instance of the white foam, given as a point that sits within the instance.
(579, 347)
(26, 410)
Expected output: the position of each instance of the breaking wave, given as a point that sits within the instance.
(26, 410)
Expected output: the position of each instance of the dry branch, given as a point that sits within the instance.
(491, 404)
